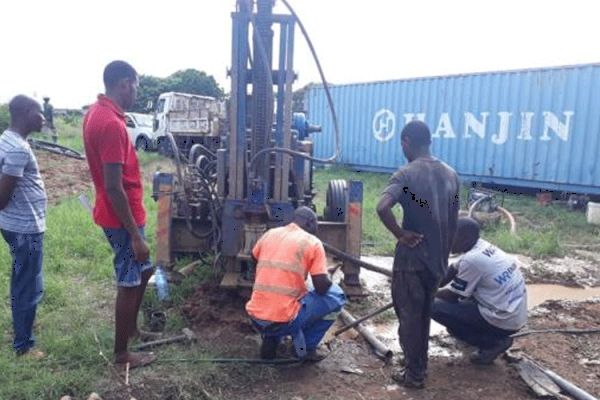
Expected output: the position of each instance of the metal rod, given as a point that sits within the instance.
(571, 389)
(565, 385)
(352, 259)
(381, 350)
(362, 319)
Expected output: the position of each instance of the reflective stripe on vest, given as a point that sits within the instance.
(295, 293)
(281, 265)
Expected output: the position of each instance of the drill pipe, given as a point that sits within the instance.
(380, 349)
(362, 319)
(347, 257)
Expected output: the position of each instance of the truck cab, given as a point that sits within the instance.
(140, 130)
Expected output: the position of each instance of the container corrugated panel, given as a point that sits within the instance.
(534, 128)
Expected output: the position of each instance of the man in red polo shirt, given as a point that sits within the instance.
(119, 208)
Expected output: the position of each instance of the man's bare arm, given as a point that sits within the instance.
(7, 186)
(113, 184)
(452, 272)
(322, 283)
(447, 295)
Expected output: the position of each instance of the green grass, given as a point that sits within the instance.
(76, 309)
(541, 231)
(69, 133)
(77, 275)
(376, 239)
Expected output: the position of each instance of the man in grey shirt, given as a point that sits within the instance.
(23, 218)
(427, 190)
(486, 300)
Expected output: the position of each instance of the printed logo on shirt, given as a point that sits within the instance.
(506, 275)
(489, 251)
(459, 284)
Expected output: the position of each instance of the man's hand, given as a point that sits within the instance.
(409, 238)
(404, 237)
(140, 249)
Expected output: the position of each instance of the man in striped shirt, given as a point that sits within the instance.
(23, 218)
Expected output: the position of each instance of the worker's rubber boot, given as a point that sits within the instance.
(315, 355)
(402, 377)
(268, 349)
(487, 356)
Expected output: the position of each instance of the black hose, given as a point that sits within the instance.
(276, 361)
(323, 80)
(347, 257)
(263, 54)
(571, 331)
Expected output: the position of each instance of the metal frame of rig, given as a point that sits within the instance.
(228, 191)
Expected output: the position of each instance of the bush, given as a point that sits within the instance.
(4, 117)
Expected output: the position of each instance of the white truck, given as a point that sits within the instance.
(190, 118)
(141, 132)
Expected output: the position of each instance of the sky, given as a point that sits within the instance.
(59, 48)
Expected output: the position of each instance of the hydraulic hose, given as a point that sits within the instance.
(263, 55)
(502, 210)
(323, 80)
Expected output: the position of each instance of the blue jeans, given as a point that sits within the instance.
(317, 314)
(128, 271)
(26, 284)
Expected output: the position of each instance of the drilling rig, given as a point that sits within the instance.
(226, 193)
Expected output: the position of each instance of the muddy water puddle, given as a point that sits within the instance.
(379, 285)
(538, 293)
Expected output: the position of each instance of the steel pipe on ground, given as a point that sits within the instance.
(362, 319)
(381, 350)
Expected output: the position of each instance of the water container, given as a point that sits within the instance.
(162, 286)
(593, 213)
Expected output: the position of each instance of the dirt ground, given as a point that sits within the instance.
(579, 269)
(574, 357)
(352, 371)
(63, 177)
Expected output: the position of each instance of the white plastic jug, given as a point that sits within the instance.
(593, 213)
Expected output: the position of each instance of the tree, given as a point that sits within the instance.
(150, 88)
(185, 81)
(194, 82)
(4, 117)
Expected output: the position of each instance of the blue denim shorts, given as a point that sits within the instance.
(128, 271)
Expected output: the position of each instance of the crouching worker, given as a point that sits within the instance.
(281, 303)
(486, 301)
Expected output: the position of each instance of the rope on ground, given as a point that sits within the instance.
(556, 330)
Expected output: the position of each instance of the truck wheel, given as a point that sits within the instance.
(141, 143)
(336, 201)
(164, 147)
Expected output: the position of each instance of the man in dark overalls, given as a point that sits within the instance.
(428, 192)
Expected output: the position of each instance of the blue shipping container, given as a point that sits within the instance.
(534, 128)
